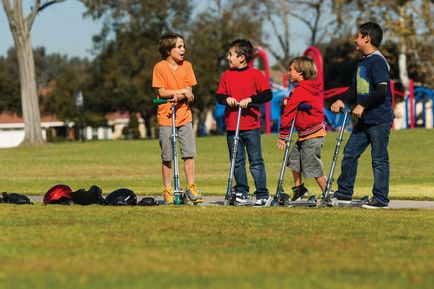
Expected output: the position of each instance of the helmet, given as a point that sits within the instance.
(91, 196)
(59, 194)
(148, 201)
(121, 197)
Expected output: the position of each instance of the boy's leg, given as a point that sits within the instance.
(356, 145)
(252, 140)
(188, 152)
(189, 170)
(298, 179)
(311, 160)
(321, 181)
(240, 174)
(165, 133)
(166, 169)
(379, 136)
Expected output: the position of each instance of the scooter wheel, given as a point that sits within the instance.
(312, 198)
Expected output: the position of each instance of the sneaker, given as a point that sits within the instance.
(168, 196)
(262, 201)
(374, 204)
(299, 192)
(336, 201)
(242, 199)
(193, 193)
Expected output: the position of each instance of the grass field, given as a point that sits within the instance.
(214, 247)
(136, 165)
(210, 247)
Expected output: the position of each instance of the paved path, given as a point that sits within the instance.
(218, 201)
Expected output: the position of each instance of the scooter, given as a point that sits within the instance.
(327, 196)
(230, 196)
(281, 198)
(180, 198)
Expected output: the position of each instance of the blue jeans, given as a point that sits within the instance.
(364, 134)
(249, 140)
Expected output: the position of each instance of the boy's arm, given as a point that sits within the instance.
(259, 98)
(170, 93)
(262, 97)
(376, 97)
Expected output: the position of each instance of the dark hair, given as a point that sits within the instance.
(243, 47)
(374, 31)
(306, 66)
(167, 42)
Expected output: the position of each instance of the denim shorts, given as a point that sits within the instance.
(186, 140)
(305, 157)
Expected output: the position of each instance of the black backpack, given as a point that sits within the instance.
(121, 197)
(91, 196)
(14, 198)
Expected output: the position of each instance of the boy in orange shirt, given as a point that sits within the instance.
(173, 79)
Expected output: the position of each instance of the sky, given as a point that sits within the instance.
(61, 28)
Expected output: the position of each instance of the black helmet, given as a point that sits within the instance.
(91, 196)
(148, 201)
(14, 198)
(121, 197)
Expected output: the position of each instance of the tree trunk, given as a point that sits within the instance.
(29, 95)
(20, 28)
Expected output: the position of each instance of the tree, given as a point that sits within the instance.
(209, 37)
(20, 27)
(281, 13)
(407, 22)
(121, 75)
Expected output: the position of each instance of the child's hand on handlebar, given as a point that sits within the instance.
(231, 101)
(337, 105)
(281, 144)
(176, 98)
(245, 102)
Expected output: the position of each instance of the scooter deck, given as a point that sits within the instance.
(303, 203)
(348, 204)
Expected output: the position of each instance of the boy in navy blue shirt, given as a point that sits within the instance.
(370, 91)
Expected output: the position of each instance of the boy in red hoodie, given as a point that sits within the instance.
(305, 157)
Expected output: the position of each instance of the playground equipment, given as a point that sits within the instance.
(417, 110)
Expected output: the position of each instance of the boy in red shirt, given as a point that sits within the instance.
(305, 157)
(241, 85)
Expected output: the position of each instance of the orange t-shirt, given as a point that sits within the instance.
(164, 76)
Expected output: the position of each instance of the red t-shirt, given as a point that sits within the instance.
(241, 84)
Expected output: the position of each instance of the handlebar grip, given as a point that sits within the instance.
(158, 101)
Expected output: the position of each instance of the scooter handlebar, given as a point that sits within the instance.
(158, 101)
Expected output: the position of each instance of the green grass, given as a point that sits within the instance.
(136, 165)
(211, 247)
(214, 247)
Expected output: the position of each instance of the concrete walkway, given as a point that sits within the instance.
(218, 201)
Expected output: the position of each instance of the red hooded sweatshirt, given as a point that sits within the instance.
(307, 122)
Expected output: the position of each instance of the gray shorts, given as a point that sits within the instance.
(305, 157)
(185, 138)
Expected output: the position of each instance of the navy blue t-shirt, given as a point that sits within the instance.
(372, 70)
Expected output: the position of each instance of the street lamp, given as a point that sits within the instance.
(79, 103)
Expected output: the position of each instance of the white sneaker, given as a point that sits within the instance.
(242, 200)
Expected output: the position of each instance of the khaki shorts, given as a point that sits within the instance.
(305, 157)
(185, 139)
